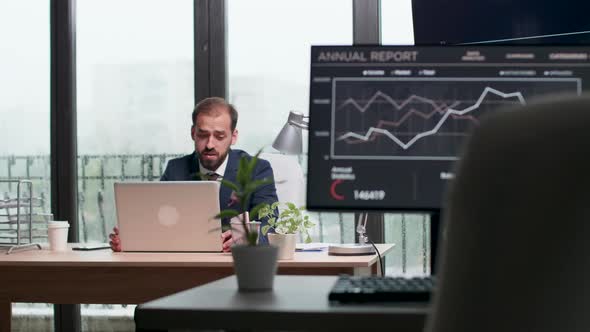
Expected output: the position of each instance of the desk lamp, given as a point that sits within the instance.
(290, 141)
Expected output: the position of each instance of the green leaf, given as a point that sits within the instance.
(264, 211)
(291, 206)
(254, 161)
(243, 176)
(271, 222)
(245, 200)
(265, 229)
(229, 213)
(251, 238)
(275, 205)
(255, 210)
(230, 185)
(308, 239)
(255, 184)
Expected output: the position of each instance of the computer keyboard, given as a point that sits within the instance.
(382, 289)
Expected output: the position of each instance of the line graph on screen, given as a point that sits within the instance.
(423, 118)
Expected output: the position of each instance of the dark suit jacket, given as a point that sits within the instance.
(185, 169)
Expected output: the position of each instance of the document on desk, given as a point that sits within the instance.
(313, 246)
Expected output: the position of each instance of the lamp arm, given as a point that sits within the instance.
(361, 228)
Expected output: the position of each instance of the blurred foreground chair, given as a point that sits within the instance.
(516, 249)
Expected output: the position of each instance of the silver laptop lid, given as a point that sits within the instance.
(168, 216)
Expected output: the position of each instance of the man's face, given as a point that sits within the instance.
(213, 136)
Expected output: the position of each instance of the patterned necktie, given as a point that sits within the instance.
(212, 176)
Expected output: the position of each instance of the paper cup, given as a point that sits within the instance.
(237, 230)
(57, 233)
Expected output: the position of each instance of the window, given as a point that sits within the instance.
(410, 232)
(268, 51)
(135, 98)
(24, 93)
(396, 22)
(135, 94)
(24, 109)
(411, 235)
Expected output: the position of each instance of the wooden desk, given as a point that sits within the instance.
(297, 303)
(107, 277)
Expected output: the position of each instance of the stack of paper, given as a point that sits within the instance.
(313, 246)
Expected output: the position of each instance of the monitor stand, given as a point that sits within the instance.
(355, 249)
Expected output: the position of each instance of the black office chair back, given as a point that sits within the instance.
(515, 254)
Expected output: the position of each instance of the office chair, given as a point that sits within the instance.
(516, 250)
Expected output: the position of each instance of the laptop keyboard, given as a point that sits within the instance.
(353, 289)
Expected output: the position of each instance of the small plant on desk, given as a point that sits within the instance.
(254, 265)
(290, 221)
(242, 191)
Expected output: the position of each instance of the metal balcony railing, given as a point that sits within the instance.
(97, 174)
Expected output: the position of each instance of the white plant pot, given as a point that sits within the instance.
(255, 267)
(285, 243)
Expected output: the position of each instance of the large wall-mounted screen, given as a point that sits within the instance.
(387, 124)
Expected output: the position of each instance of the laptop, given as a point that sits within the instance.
(168, 216)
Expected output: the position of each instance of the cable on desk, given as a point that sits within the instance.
(380, 259)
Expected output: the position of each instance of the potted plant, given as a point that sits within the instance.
(286, 225)
(255, 265)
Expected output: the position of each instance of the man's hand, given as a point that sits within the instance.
(227, 240)
(115, 241)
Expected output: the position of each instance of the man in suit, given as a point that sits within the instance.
(214, 130)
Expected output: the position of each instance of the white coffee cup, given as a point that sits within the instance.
(57, 233)
(238, 232)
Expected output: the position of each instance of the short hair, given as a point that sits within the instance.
(207, 105)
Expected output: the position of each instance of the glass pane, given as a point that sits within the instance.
(396, 22)
(409, 232)
(135, 81)
(135, 96)
(268, 45)
(24, 147)
(411, 235)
